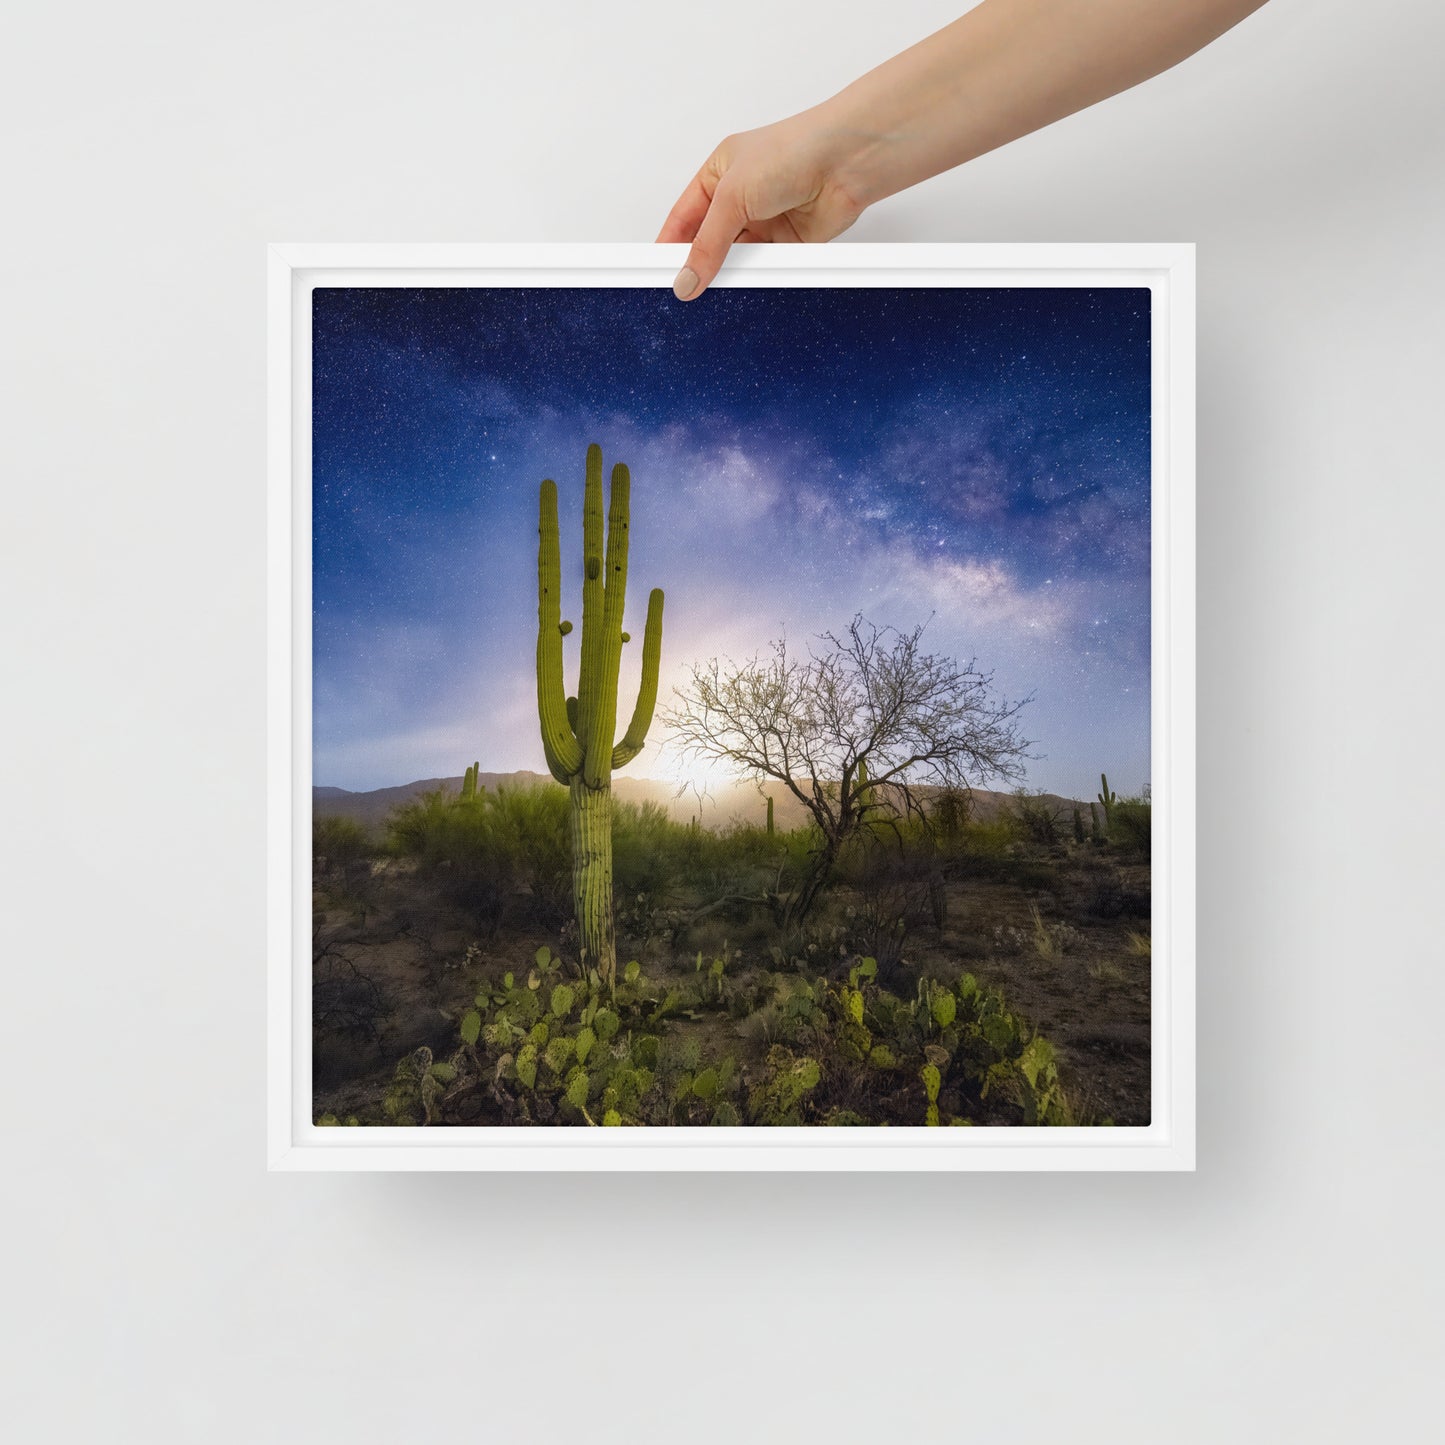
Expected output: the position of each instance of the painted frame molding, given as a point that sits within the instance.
(295, 1143)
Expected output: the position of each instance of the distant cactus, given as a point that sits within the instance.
(1095, 832)
(1079, 833)
(770, 815)
(578, 732)
(469, 783)
(1107, 799)
(866, 799)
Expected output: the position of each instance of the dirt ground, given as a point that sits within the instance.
(394, 968)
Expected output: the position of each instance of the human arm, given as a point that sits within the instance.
(1004, 69)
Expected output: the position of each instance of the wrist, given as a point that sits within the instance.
(857, 155)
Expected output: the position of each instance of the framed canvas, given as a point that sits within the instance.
(751, 733)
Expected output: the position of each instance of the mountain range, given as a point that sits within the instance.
(741, 802)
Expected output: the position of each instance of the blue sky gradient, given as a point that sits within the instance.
(977, 457)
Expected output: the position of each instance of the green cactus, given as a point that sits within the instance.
(1078, 826)
(932, 1080)
(1096, 834)
(578, 732)
(469, 783)
(944, 1008)
(866, 800)
(770, 815)
(586, 1037)
(1107, 799)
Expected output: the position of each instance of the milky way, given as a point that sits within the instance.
(979, 458)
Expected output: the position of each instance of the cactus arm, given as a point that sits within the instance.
(594, 599)
(1107, 798)
(636, 734)
(602, 726)
(563, 752)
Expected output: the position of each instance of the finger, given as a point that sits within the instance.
(686, 216)
(726, 219)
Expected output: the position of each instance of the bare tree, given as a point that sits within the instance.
(852, 729)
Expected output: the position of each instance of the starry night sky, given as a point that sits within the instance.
(797, 455)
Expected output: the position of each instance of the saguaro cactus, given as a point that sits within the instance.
(470, 791)
(770, 815)
(578, 731)
(866, 801)
(1107, 799)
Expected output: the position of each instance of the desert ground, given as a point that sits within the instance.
(1013, 956)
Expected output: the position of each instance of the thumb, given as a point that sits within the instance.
(725, 221)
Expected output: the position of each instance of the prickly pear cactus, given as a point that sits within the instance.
(932, 1080)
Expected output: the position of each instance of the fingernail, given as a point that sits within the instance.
(685, 284)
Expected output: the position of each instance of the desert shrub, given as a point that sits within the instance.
(1109, 898)
(886, 908)
(413, 829)
(1049, 941)
(897, 875)
(988, 848)
(1037, 819)
(1131, 825)
(739, 850)
(338, 841)
(345, 1000)
(949, 814)
(646, 848)
(452, 845)
(504, 851)
(530, 840)
(1104, 898)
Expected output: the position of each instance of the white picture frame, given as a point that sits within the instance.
(1167, 1143)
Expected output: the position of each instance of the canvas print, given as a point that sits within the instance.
(731, 714)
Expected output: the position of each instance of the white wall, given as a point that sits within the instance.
(161, 1287)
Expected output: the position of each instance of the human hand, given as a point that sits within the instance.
(1004, 69)
(782, 182)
